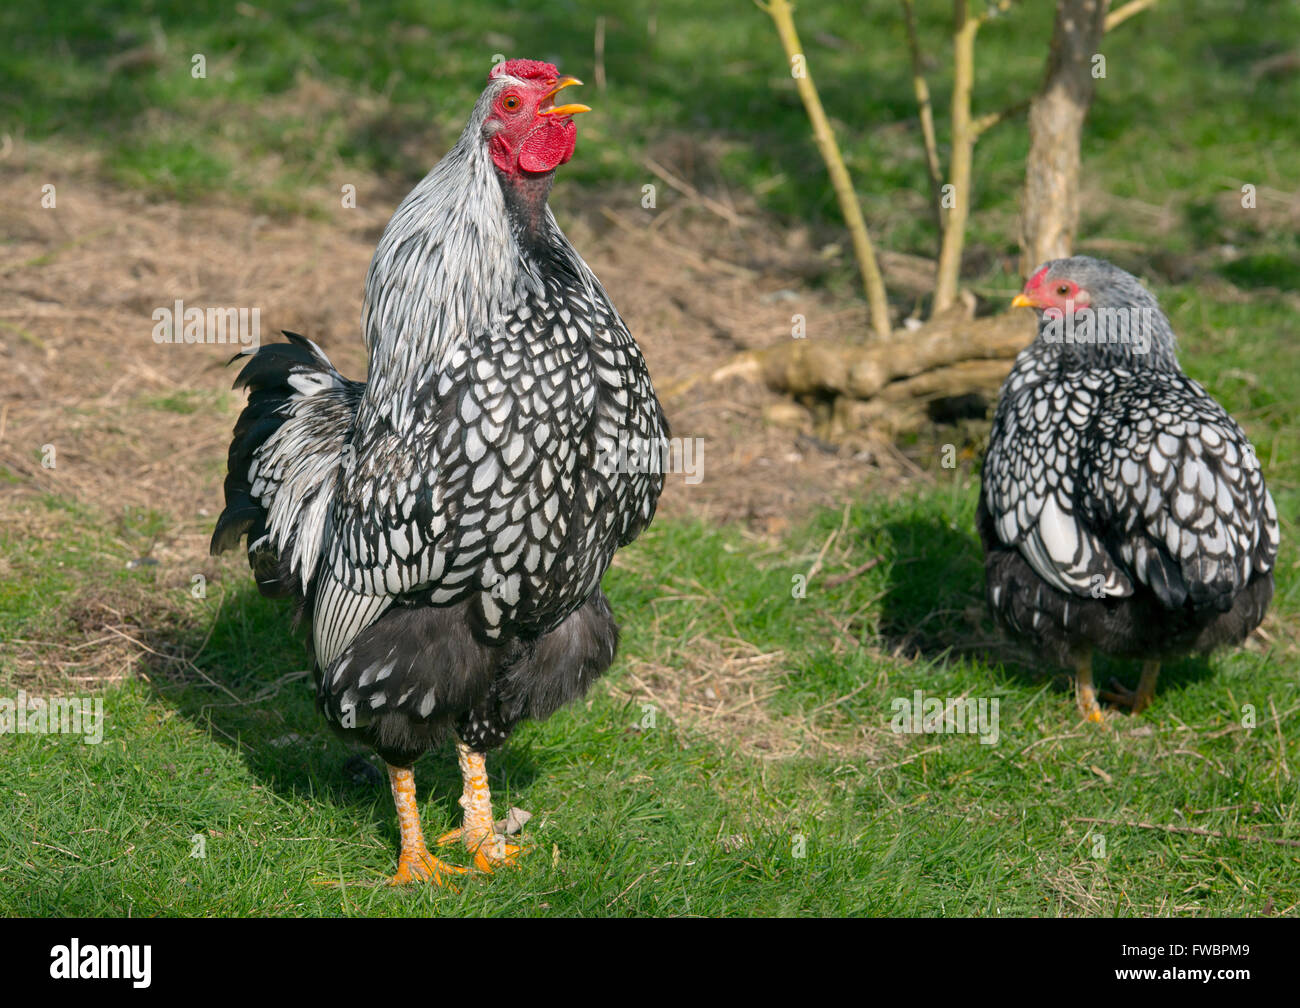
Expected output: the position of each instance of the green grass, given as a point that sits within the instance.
(185, 401)
(300, 97)
(632, 820)
(81, 554)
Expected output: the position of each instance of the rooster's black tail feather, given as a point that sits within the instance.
(280, 378)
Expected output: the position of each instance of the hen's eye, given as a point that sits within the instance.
(511, 102)
(1063, 290)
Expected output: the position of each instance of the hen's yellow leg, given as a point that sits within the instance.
(1085, 692)
(1140, 699)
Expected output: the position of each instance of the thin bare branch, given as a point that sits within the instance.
(963, 144)
(987, 122)
(691, 193)
(1121, 14)
(600, 53)
(872, 281)
(925, 111)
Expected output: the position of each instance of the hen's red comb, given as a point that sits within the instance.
(525, 70)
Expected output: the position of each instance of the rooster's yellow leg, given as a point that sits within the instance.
(1140, 699)
(1085, 691)
(479, 833)
(416, 864)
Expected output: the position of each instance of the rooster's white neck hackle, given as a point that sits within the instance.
(450, 264)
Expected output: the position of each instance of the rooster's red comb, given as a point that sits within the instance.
(525, 70)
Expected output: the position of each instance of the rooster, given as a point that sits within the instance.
(1122, 509)
(445, 525)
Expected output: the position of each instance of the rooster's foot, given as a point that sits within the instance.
(490, 849)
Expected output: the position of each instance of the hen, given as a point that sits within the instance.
(1122, 509)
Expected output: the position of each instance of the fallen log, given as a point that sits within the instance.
(884, 388)
(818, 368)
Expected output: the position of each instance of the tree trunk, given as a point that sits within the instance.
(1050, 208)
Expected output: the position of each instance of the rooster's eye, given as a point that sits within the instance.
(511, 102)
(1063, 290)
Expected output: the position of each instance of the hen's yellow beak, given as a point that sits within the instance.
(561, 110)
(1023, 301)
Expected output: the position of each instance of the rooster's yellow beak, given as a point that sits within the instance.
(561, 110)
(1023, 301)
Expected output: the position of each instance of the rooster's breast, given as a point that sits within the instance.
(524, 464)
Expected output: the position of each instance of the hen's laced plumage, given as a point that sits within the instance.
(1115, 477)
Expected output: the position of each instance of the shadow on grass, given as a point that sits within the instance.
(935, 604)
(246, 680)
(936, 609)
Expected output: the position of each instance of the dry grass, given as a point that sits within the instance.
(718, 690)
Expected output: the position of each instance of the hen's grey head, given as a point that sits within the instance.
(1098, 314)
